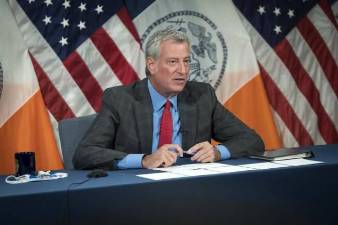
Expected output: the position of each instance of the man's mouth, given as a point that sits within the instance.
(179, 79)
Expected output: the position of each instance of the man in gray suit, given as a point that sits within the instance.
(126, 131)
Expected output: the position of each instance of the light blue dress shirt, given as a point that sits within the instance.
(158, 101)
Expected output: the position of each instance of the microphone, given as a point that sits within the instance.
(97, 173)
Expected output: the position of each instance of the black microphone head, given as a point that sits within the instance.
(97, 173)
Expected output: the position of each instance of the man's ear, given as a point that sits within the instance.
(151, 65)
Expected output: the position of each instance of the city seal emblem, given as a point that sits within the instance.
(208, 57)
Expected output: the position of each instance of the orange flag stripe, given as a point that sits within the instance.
(29, 129)
(251, 105)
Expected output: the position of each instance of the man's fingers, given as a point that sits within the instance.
(151, 161)
(205, 153)
(195, 148)
(172, 156)
(201, 155)
(209, 158)
(197, 155)
(205, 157)
(176, 148)
(169, 158)
(203, 150)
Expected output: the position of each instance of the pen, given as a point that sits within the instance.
(186, 154)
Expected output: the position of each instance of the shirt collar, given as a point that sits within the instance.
(158, 100)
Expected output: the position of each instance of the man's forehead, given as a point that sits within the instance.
(172, 42)
(170, 51)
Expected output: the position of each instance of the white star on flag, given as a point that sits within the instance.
(277, 29)
(66, 4)
(261, 10)
(63, 41)
(277, 11)
(291, 13)
(47, 20)
(82, 7)
(99, 9)
(82, 25)
(65, 22)
(48, 2)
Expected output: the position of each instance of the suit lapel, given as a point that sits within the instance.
(188, 117)
(143, 111)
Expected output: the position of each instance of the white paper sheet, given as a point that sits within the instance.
(196, 172)
(200, 169)
(231, 169)
(160, 176)
(297, 162)
(190, 167)
(264, 165)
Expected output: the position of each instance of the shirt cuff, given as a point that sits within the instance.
(225, 154)
(131, 161)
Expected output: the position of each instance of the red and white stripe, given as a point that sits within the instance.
(309, 61)
(128, 46)
(97, 65)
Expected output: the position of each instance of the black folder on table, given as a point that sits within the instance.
(283, 154)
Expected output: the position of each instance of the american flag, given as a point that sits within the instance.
(296, 45)
(78, 49)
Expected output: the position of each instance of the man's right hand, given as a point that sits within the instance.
(165, 156)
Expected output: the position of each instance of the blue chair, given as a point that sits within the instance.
(71, 131)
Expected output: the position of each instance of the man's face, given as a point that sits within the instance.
(169, 73)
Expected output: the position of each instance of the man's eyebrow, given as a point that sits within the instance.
(171, 58)
(176, 58)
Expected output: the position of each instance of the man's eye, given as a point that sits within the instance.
(172, 62)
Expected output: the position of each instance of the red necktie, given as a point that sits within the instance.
(166, 126)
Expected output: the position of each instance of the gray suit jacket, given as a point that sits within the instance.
(124, 125)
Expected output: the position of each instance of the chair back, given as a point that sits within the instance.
(71, 131)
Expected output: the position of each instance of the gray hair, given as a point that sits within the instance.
(153, 45)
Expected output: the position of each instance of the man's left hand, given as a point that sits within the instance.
(204, 152)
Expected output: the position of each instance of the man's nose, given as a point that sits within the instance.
(183, 68)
